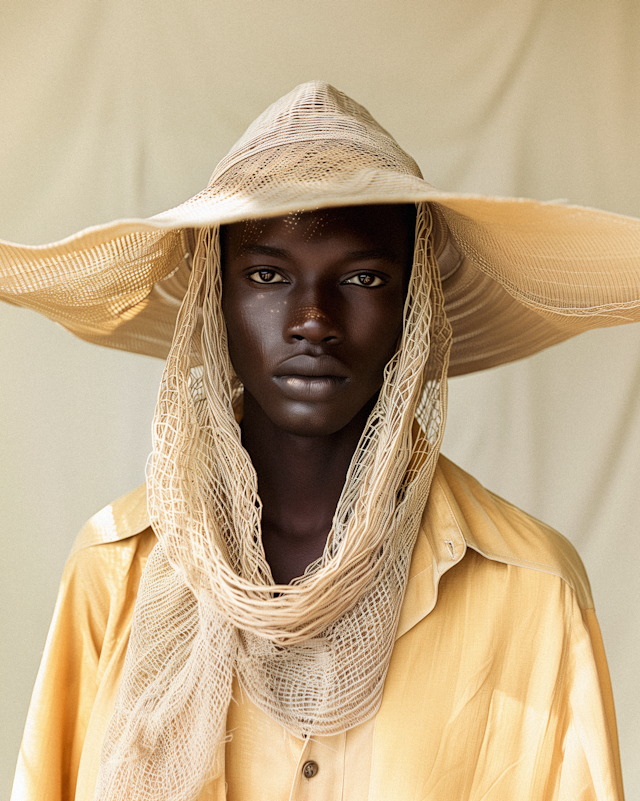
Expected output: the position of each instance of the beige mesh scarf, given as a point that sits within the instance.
(313, 654)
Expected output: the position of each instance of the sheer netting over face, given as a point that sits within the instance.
(312, 654)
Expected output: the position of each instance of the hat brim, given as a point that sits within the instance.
(529, 275)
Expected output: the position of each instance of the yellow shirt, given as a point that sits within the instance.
(498, 686)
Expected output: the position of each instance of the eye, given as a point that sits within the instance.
(365, 279)
(265, 276)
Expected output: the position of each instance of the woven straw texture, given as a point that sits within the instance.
(518, 275)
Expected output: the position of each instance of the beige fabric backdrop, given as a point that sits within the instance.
(114, 108)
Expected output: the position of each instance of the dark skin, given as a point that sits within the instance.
(314, 305)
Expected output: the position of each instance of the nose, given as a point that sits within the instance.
(312, 323)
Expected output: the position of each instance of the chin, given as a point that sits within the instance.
(305, 419)
(311, 425)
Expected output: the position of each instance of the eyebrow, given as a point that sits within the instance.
(379, 253)
(253, 249)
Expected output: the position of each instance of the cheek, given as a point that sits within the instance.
(254, 329)
(377, 331)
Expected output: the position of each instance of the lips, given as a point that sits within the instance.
(312, 366)
(310, 378)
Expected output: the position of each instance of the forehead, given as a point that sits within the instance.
(390, 226)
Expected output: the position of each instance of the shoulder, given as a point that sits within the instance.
(500, 531)
(119, 520)
(111, 550)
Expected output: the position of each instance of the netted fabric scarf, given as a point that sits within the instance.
(312, 654)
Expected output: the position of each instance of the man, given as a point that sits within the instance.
(327, 609)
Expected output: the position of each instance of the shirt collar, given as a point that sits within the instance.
(459, 514)
(440, 545)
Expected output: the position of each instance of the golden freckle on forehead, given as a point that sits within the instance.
(251, 230)
(315, 222)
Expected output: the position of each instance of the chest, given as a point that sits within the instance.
(474, 707)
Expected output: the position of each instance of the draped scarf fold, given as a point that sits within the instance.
(312, 654)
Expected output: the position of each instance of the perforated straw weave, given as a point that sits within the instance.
(517, 275)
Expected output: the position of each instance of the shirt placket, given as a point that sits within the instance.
(319, 774)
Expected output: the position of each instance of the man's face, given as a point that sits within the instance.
(313, 304)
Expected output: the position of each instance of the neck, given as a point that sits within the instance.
(300, 480)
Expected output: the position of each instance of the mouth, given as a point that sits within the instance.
(311, 378)
(310, 387)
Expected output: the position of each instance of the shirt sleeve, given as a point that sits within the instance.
(99, 583)
(591, 766)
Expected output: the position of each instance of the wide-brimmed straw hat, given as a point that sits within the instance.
(518, 275)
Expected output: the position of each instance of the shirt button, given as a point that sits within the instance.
(309, 769)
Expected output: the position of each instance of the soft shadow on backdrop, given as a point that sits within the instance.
(116, 108)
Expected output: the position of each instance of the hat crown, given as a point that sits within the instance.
(317, 111)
